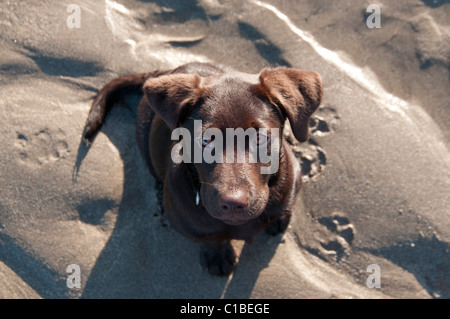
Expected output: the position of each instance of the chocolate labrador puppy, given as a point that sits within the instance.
(216, 201)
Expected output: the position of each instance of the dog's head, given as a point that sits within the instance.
(217, 112)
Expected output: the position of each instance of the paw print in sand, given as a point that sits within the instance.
(312, 156)
(336, 236)
(41, 147)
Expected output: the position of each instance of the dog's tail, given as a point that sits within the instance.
(106, 97)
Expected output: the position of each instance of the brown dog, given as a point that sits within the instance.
(217, 202)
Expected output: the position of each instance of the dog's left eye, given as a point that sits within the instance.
(261, 139)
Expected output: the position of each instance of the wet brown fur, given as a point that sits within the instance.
(221, 98)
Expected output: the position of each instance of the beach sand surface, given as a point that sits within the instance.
(376, 167)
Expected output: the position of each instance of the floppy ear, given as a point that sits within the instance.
(297, 93)
(170, 95)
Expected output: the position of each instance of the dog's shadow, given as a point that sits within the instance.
(145, 258)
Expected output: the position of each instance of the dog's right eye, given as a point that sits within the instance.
(206, 141)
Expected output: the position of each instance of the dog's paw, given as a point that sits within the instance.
(218, 258)
(279, 226)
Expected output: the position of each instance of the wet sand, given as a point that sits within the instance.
(376, 168)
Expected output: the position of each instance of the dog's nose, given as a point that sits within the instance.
(234, 202)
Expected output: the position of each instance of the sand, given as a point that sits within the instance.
(376, 168)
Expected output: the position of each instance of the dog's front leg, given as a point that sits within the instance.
(218, 257)
(280, 225)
